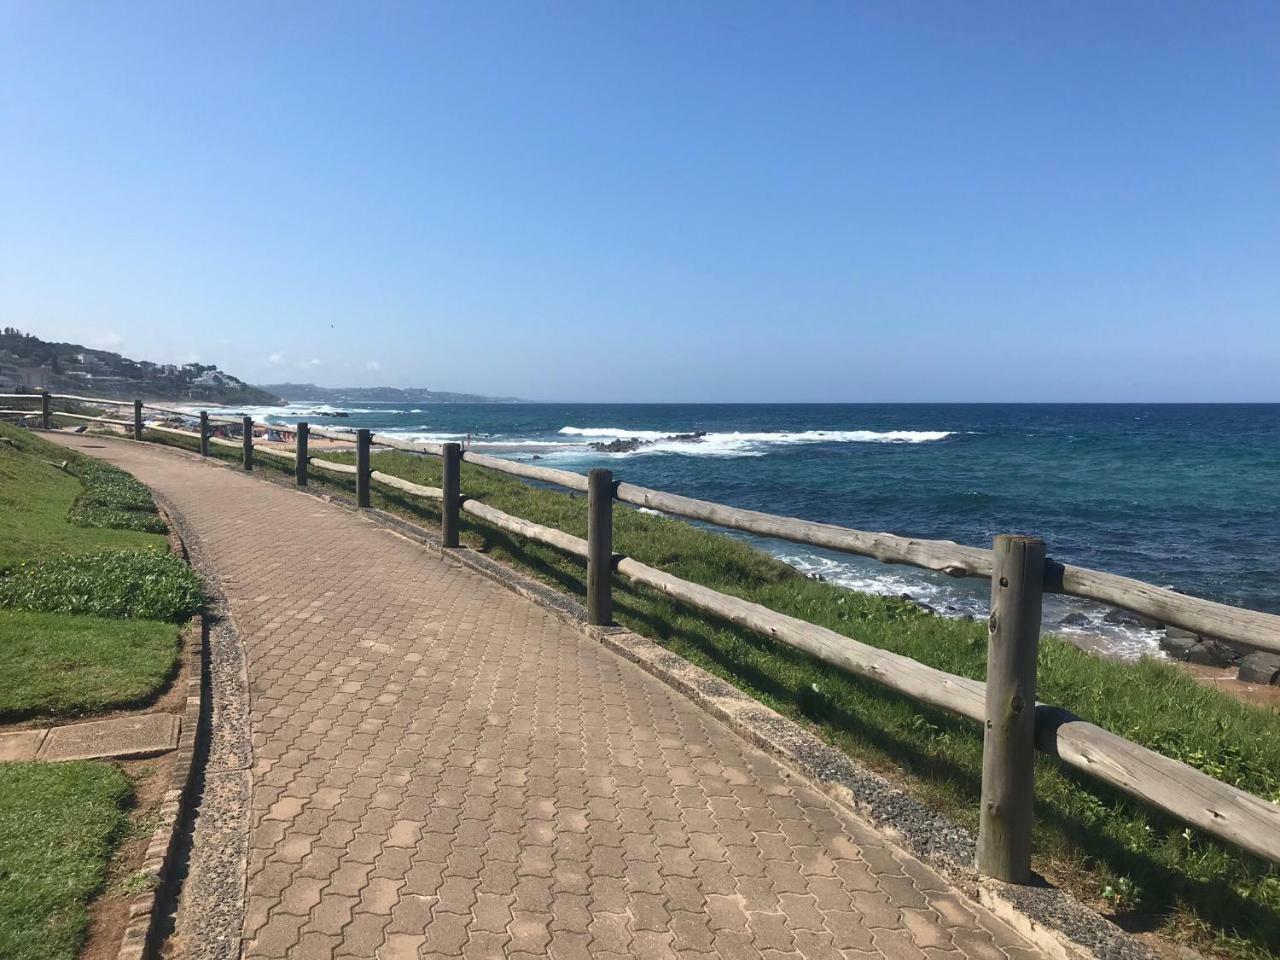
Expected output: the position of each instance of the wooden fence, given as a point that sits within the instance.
(1014, 724)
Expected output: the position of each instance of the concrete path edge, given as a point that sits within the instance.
(141, 932)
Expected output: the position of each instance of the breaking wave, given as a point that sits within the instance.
(745, 443)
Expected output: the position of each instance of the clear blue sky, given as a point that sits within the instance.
(655, 201)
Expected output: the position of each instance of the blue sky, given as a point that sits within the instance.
(657, 201)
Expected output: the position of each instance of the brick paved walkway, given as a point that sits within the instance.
(442, 768)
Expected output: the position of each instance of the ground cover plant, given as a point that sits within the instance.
(121, 584)
(59, 824)
(36, 500)
(113, 498)
(58, 665)
(1107, 848)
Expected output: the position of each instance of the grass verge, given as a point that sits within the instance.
(36, 501)
(59, 824)
(1144, 868)
(58, 665)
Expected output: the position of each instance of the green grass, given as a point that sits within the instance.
(59, 825)
(1099, 843)
(36, 500)
(58, 665)
(122, 584)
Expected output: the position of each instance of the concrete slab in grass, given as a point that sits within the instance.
(120, 737)
(21, 744)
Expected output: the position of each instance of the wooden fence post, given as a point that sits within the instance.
(1008, 747)
(362, 468)
(300, 454)
(451, 484)
(137, 419)
(46, 410)
(204, 433)
(248, 442)
(600, 547)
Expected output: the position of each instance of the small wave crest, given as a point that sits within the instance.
(744, 443)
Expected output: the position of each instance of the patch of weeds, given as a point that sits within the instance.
(116, 584)
(135, 883)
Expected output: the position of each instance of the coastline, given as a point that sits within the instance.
(929, 471)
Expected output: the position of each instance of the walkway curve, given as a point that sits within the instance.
(441, 768)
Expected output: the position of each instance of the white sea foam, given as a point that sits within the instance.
(744, 443)
(1086, 628)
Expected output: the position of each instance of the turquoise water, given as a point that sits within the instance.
(1183, 496)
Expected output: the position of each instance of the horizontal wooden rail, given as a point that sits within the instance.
(22, 413)
(1180, 790)
(409, 446)
(1251, 628)
(190, 434)
(920, 682)
(280, 453)
(328, 434)
(563, 478)
(78, 399)
(82, 416)
(431, 493)
(527, 528)
(224, 442)
(172, 411)
(942, 556)
(21, 396)
(333, 467)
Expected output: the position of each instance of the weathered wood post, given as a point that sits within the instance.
(204, 433)
(362, 468)
(1008, 747)
(46, 410)
(247, 440)
(137, 419)
(600, 547)
(300, 454)
(451, 484)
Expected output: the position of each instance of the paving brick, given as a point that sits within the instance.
(443, 768)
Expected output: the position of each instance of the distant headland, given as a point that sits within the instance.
(310, 393)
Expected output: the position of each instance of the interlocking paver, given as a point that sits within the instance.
(442, 768)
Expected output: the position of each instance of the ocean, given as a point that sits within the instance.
(1185, 496)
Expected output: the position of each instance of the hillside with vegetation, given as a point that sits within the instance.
(28, 363)
(310, 393)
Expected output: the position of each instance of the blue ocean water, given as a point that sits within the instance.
(1186, 496)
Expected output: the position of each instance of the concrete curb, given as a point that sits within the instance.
(140, 935)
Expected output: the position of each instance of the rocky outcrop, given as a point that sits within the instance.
(1189, 647)
(632, 444)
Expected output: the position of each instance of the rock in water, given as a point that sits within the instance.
(632, 444)
(1212, 653)
(1261, 668)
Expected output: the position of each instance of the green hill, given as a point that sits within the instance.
(29, 363)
